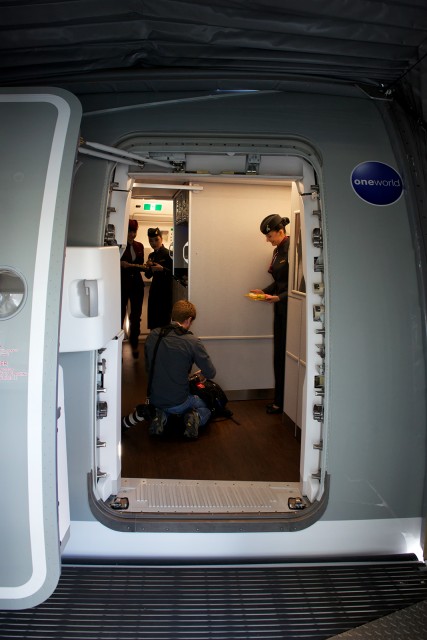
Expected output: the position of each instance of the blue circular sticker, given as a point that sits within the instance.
(377, 183)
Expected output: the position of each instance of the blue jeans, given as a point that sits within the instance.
(192, 402)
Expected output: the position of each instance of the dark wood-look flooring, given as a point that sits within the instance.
(260, 448)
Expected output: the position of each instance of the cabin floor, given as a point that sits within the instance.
(244, 464)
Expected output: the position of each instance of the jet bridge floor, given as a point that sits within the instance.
(310, 600)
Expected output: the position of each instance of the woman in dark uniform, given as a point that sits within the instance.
(132, 284)
(159, 267)
(274, 229)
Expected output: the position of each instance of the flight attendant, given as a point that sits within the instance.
(274, 229)
(132, 284)
(159, 267)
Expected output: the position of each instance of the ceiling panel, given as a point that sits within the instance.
(95, 47)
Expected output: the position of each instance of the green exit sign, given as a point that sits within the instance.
(153, 207)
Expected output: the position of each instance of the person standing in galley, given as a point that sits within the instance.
(274, 229)
(132, 285)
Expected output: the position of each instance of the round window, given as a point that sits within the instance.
(13, 292)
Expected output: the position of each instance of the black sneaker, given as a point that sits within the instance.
(192, 423)
(158, 423)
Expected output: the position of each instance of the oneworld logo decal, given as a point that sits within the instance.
(377, 183)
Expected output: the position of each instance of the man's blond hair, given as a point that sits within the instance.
(182, 310)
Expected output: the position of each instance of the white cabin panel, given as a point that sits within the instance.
(227, 247)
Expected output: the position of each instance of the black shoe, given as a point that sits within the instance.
(157, 423)
(135, 353)
(192, 423)
(272, 409)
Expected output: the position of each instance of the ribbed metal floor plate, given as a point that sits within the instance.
(314, 601)
(206, 496)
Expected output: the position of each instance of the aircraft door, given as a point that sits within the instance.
(39, 132)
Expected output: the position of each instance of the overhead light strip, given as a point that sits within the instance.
(179, 187)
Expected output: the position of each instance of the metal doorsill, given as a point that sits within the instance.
(206, 522)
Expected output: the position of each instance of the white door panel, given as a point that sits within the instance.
(39, 133)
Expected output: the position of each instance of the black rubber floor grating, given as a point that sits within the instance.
(310, 601)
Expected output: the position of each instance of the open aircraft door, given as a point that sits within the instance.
(39, 133)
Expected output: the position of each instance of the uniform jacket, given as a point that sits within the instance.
(129, 274)
(160, 299)
(279, 269)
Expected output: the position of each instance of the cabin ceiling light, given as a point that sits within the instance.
(180, 187)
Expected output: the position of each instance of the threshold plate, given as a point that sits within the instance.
(207, 496)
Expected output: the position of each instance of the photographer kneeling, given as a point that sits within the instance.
(170, 353)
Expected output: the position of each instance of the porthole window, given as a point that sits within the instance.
(13, 292)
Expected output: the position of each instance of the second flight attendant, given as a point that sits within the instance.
(274, 229)
(159, 267)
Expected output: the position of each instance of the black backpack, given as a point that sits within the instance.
(212, 395)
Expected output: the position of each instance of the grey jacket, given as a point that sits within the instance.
(176, 354)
